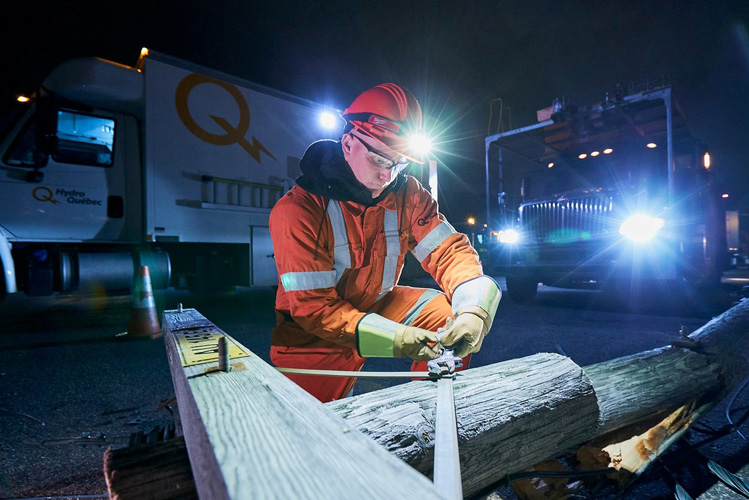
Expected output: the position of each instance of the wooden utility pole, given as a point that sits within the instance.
(251, 433)
(514, 414)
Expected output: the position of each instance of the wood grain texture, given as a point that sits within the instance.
(726, 337)
(636, 387)
(633, 388)
(510, 415)
(514, 414)
(252, 433)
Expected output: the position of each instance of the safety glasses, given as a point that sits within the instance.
(380, 160)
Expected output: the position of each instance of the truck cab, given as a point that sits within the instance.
(165, 163)
(70, 182)
(617, 195)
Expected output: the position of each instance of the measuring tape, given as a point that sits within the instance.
(446, 456)
(354, 374)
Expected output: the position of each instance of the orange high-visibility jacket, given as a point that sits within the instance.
(335, 259)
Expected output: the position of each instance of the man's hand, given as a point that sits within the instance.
(412, 342)
(466, 333)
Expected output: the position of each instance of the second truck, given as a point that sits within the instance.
(615, 195)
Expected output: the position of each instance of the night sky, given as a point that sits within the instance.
(457, 57)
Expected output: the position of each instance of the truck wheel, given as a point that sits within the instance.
(521, 288)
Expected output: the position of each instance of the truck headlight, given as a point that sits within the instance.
(641, 227)
(508, 236)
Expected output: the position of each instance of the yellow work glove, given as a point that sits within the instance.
(414, 343)
(466, 332)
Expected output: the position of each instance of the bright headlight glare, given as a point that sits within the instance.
(508, 236)
(420, 144)
(328, 120)
(641, 227)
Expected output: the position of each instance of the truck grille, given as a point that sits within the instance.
(566, 220)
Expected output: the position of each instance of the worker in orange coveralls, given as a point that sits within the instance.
(340, 237)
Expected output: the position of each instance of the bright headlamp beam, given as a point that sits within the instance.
(640, 227)
(420, 144)
(328, 120)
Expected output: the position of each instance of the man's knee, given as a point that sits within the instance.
(434, 314)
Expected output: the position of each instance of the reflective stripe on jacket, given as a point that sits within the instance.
(336, 259)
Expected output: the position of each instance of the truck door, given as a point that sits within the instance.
(78, 193)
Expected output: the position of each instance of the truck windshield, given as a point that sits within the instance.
(631, 165)
(84, 139)
(80, 139)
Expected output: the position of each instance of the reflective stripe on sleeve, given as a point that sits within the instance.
(425, 298)
(310, 280)
(393, 250)
(375, 336)
(341, 254)
(432, 240)
(481, 291)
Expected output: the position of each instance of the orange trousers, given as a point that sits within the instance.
(419, 307)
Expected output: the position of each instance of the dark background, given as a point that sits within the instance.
(457, 57)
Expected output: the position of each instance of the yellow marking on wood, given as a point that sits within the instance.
(197, 348)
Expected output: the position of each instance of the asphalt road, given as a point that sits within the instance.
(68, 389)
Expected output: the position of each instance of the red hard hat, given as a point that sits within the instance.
(387, 113)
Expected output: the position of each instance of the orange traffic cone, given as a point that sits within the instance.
(143, 321)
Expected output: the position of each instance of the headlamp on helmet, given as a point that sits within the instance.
(389, 114)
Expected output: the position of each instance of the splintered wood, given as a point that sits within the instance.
(518, 413)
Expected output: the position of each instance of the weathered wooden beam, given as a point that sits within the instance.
(634, 388)
(514, 414)
(252, 433)
(649, 400)
(510, 415)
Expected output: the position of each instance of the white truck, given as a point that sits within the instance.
(166, 163)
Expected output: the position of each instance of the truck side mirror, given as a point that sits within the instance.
(45, 137)
(46, 128)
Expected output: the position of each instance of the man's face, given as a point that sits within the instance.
(369, 160)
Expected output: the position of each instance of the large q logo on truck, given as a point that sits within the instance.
(234, 134)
